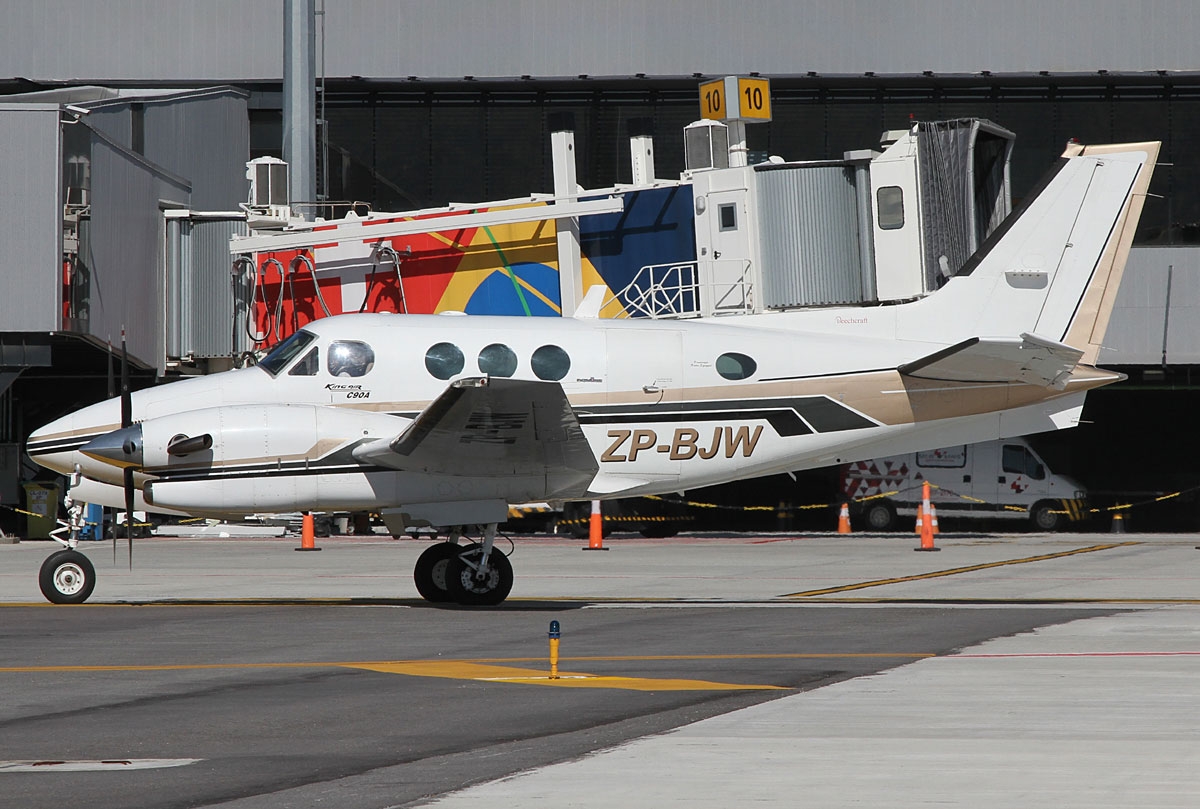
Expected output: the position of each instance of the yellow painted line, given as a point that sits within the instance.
(957, 570)
(511, 674)
(496, 670)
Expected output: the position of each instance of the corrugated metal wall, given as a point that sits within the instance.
(30, 219)
(125, 246)
(1138, 333)
(220, 40)
(200, 304)
(808, 226)
(207, 140)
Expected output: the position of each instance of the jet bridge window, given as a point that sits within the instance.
(891, 207)
(727, 214)
(444, 360)
(307, 366)
(349, 358)
(550, 363)
(736, 366)
(1020, 461)
(497, 360)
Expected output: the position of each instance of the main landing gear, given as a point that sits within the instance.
(476, 574)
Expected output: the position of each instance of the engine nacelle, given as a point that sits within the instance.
(250, 440)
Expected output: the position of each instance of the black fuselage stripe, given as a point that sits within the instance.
(785, 422)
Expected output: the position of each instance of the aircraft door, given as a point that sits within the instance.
(645, 370)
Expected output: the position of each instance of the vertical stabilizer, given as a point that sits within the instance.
(1090, 319)
(1053, 268)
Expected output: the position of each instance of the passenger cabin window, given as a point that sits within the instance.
(282, 355)
(1020, 461)
(736, 366)
(891, 207)
(727, 215)
(497, 360)
(349, 358)
(309, 366)
(550, 363)
(444, 360)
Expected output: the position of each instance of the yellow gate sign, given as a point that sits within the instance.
(736, 98)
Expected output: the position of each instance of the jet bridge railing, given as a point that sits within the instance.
(732, 297)
(661, 291)
(674, 291)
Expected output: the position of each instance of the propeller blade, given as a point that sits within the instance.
(129, 511)
(126, 399)
(112, 391)
(127, 421)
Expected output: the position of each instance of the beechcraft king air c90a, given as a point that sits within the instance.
(447, 420)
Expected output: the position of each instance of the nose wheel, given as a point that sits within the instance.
(67, 577)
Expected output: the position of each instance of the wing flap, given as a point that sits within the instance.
(1029, 359)
(484, 427)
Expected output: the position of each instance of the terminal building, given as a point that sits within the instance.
(127, 136)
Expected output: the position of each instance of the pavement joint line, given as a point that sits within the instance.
(957, 570)
(1027, 655)
(465, 661)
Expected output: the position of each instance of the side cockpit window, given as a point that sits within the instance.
(309, 366)
(282, 355)
(349, 358)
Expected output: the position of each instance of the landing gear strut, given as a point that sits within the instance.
(67, 576)
(472, 575)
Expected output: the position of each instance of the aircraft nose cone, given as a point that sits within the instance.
(121, 447)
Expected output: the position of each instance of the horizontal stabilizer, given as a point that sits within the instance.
(484, 427)
(1029, 359)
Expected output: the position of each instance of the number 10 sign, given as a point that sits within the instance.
(736, 98)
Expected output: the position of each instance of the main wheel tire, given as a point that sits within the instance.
(880, 516)
(67, 577)
(1043, 517)
(467, 588)
(429, 574)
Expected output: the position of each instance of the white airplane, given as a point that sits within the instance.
(447, 420)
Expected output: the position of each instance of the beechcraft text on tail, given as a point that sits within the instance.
(447, 420)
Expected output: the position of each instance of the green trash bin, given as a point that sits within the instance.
(41, 501)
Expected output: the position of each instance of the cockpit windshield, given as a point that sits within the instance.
(282, 355)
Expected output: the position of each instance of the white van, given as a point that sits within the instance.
(993, 479)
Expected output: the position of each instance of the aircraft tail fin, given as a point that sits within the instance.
(1053, 267)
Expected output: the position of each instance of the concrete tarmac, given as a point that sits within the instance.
(1096, 705)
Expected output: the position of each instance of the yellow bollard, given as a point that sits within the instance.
(554, 634)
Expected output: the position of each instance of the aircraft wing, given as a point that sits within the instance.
(488, 427)
(1029, 359)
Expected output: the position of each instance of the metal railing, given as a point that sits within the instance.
(666, 291)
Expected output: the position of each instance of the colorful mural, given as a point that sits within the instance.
(497, 270)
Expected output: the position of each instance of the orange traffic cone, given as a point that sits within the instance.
(844, 520)
(595, 529)
(927, 523)
(307, 534)
(933, 518)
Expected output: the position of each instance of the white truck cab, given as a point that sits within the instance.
(994, 479)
